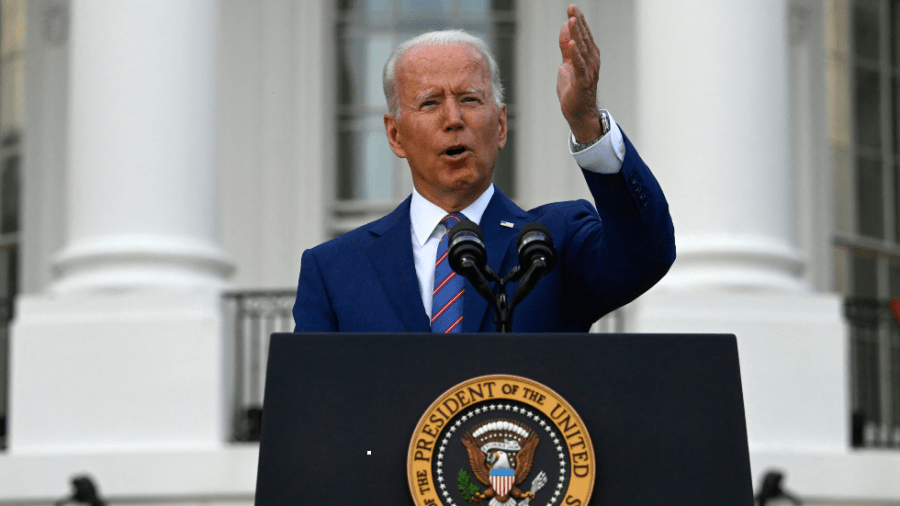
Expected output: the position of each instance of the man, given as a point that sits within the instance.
(446, 117)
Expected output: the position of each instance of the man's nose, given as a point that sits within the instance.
(452, 116)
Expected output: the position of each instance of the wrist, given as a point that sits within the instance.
(591, 131)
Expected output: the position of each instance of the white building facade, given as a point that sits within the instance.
(173, 150)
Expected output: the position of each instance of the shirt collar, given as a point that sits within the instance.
(426, 215)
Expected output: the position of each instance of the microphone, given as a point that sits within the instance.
(466, 245)
(535, 245)
(467, 256)
(536, 254)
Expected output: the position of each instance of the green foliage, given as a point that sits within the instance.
(466, 487)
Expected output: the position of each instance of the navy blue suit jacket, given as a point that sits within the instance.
(365, 280)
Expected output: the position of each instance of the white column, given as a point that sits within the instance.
(712, 96)
(142, 164)
(715, 125)
(125, 352)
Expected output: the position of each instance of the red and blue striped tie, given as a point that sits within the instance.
(447, 298)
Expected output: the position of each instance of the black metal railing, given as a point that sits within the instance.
(254, 317)
(874, 373)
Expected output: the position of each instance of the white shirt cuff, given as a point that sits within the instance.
(604, 156)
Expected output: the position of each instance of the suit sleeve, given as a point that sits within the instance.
(312, 309)
(627, 246)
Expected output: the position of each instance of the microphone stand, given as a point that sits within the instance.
(503, 308)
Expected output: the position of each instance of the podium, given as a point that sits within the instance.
(665, 413)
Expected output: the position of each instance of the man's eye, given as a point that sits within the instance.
(428, 103)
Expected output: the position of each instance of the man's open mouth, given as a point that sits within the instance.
(455, 150)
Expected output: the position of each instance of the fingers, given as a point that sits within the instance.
(583, 29)
(577, 29)
(577, 58)
(572, 50)
(577, 45)
(564, 38)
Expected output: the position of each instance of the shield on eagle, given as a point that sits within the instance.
(502, 480)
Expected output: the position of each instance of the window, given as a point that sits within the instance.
(868, 227)
(12, 44)
(866, 57)
(370, 179)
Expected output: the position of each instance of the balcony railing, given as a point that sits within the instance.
(874, 373)
(255, 316)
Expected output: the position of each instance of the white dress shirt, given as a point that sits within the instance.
(605, 156)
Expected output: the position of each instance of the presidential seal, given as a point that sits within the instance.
(500, 440)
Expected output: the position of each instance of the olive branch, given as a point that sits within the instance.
(466, 487)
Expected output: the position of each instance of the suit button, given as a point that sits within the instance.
(633, 180)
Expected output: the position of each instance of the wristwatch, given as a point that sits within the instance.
(604, 129)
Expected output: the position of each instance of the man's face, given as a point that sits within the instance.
(450, 128)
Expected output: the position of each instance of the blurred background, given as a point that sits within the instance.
(164, 163)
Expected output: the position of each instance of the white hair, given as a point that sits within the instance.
(389, 77)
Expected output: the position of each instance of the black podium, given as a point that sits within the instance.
(664, 412)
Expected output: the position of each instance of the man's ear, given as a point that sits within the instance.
(392, 129)
(502, 137)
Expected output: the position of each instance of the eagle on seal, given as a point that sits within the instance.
(496, 463)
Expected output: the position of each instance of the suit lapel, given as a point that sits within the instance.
(392, 260)
(393, 263)
(497, 240)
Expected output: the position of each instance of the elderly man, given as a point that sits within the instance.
(447, 118)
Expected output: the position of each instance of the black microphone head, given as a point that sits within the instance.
(535, 242)
(466, 241)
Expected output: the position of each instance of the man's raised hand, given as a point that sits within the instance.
(576, 85)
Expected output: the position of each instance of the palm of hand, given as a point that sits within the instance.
(575, 96)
